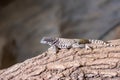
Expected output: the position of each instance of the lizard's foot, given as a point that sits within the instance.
(88, 47)
(53, 49)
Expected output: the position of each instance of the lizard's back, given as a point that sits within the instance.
(65, 43)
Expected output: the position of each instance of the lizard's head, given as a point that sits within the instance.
(47, 40)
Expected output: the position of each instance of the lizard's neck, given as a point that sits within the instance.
(54, 41)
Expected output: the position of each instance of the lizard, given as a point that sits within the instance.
(60, 43)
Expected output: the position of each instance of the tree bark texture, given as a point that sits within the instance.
(101, 63)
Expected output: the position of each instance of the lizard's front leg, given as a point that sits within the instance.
(53, 48)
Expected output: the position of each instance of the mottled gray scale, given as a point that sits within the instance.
(100, 42)
(64, 43)
(97, 41)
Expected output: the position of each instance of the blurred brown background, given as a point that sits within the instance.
(24, 22)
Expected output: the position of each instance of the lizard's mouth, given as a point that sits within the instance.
(43, 42)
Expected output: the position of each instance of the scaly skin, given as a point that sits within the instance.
(59, 43)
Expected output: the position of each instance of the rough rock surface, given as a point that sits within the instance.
(101, 63)
(24, 22)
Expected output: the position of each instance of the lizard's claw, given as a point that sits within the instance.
(54, 49)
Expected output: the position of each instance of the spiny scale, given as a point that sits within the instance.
(97, 41)
(64, 43)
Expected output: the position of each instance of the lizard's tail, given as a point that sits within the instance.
(99, 42)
